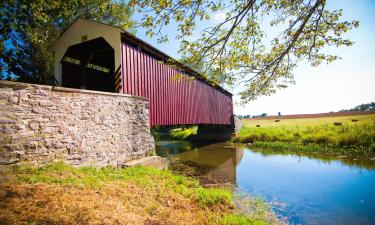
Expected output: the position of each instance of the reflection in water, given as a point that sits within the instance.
(216, 162)
(167, 149)
(221, 159)
(364, 163)
(306, 188)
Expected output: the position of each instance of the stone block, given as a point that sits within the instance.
(34, 125)
(14, 100)
(151, 161)
(40, 110)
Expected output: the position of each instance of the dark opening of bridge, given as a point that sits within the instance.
(89, 65)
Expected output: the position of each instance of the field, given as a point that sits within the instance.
(315, 115)
(61, 194)
(354, 134)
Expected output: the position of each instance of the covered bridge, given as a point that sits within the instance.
(96, 56)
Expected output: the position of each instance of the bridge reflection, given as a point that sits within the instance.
(214, 163)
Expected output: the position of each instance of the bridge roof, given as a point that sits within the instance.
(132, 39)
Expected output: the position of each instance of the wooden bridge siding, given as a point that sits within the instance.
(172, 102)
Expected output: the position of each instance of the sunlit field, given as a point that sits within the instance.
(362, 119)
(355, 133)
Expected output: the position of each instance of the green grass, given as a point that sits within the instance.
(362, 119)
(238, 219)
(312, 134)
(213, 196)
(183, 133)
(60, 173)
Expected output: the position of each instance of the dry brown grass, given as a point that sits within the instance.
(113, 203)
(61, 194)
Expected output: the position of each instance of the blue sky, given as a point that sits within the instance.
(343, 84)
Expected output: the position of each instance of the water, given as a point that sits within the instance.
(305, 189)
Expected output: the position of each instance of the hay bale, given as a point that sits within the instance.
(276, 121)
(337, 123)
(258, 125)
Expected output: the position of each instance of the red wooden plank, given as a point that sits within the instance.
(132, 71)
(170, 101)
(124, 69)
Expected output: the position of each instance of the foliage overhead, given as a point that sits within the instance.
(28, 28)
(237, 50)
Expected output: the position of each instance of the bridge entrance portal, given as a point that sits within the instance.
(89, 65)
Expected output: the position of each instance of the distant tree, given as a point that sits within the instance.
(369, 107)
(236, 49)
(28, 28)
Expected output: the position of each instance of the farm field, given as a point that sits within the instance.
(351, 134)
(309, 120)
(315, 115)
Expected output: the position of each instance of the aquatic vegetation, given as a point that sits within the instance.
(359, 160)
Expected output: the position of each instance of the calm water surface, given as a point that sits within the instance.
(312, 189)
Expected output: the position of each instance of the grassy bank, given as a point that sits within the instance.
(61, 194)
(351, 134)
(184, 133)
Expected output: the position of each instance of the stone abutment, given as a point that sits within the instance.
(42, 124)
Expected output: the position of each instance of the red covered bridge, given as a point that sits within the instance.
(101, 57)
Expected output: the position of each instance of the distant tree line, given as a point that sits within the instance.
(254, 116)
(369, 107)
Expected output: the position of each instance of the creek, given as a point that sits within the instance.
(301, 189)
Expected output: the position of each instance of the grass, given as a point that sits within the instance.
(313, 134)
(264, 122)
(61, 194)
(213, 196)
(183, 133)
(238, 219)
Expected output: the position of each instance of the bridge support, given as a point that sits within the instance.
(214, 133)
(205, 132)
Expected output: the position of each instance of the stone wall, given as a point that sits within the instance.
(42, 124)
(237, 124)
